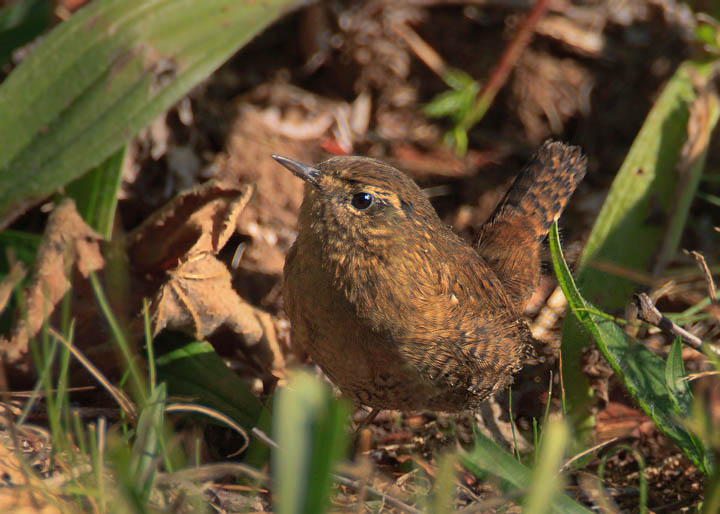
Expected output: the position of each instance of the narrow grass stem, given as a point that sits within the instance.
(120, 339)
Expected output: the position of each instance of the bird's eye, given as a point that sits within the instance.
(362, 200)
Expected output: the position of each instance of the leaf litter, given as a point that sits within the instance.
(69, 251)
(178, 257)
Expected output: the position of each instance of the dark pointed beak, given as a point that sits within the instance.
(308, 173)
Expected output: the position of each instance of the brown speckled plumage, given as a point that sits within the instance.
(509, 241)
(397, 310)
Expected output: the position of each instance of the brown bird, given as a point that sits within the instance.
(397, 310)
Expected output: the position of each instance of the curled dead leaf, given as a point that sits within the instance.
(199, 298)
(70, 249)
(201, 220)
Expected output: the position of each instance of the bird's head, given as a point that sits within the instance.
(360, 201)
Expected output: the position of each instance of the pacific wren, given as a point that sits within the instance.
(397, 310)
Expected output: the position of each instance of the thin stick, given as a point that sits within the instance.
(214, 414)
(356, 484)
(368, 419)
(424, 51)
(505, 65)
(590, 450)
(712, 290)
(650, 314)
(120, 397)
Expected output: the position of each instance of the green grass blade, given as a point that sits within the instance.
(101, 76)
(24, 246)
(445, 484)
(711, 503)
(642, 219)
(546, 483)
(146, 448)
(152, 367)
(95, 193)
(641, 371)
(488, 457)
(309, 427)
(140, 387)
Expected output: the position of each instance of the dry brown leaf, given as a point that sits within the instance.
(201, 220)
(619, 420)
(70, 248)
(199, 298)
(10, 466)
(23, 497)
(29, 501)
(549, 91)
(270, 219)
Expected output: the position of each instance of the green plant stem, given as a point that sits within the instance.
(121, 340)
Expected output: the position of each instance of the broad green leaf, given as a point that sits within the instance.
(459, 79)
(455, 102)
(448, 103)
(104, 74)
(95, 193)
(675, 379)
(641, 371)
(642, 219)
(488, 457)
(198, 374)
(309, 428)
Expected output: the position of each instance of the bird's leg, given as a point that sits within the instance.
(368, 419)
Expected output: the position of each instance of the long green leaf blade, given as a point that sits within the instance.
(309, 428)
(641, 371)
(642, 219)
(489, 457)
(103, 75)
(95, 193)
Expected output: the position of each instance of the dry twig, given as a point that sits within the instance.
(118, 395)
(712, 290)
(650, 314)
